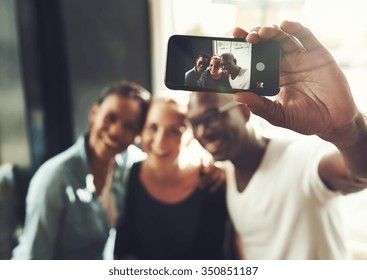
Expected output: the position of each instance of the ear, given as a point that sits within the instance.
(137, 140)
(245, 110)
(92, 113)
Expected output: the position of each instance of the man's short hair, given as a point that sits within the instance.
(203, 55)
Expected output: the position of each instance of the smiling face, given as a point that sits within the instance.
(214, 66)
(114, 124)
(162, 132)
(228, 63)
(201, 64)
(220, 132)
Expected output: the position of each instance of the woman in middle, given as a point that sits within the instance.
(168, 215)
(214, 77)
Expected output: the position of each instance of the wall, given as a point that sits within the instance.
(56, 56)
(14, 145)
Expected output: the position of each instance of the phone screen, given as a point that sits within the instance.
(197, 63)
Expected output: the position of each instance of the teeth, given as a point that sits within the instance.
(160, 154)
(111, 142)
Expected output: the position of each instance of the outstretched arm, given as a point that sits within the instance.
(314, 98)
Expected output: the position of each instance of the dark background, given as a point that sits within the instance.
(182, 54)
(68, 52)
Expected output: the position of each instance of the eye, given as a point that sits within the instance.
(174, 131)
(111, 118)
(152, 127)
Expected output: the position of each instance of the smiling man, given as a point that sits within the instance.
(283, 192)
(193, 76)
(75, 197)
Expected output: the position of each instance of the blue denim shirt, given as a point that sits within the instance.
(64, 218)
(192, 78)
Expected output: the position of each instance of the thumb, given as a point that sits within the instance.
(262, 106)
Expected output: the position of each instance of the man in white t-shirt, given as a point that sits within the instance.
(238, 77)
(282, 194)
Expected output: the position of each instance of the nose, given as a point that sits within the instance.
(116, 129)
(159, 138)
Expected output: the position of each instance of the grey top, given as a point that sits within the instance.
(64, 218)
(192, 78)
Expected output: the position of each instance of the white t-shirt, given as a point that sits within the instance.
(286, 211)
(242, 81)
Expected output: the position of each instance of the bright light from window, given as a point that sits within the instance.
(340, 25)
(203, 17)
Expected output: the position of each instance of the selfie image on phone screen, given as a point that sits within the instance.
(221, 64)
(228, 67)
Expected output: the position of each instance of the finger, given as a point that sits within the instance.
(262, 106)
(253, 37)
(202, 168)
(289, 43)
(221, 182)
(203, 175)
(239, 33)
(303, 34)
(214, 177)
(250, 99)
(216, 187)
(217, 184)
(204, 164)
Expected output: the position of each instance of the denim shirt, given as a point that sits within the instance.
(64, 218)
(192, 78)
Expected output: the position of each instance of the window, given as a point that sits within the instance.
(338, 24)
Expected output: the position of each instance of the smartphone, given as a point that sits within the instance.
(197, 63)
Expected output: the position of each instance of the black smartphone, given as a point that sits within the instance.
(227, 65)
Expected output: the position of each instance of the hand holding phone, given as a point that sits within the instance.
(315, 97)
(229, 65)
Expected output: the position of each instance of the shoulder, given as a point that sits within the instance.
(189, 179)
(58, 170)
(297, 150)
(191, 72)
(191, 170)
(307, 145)
(193, 173)
(302, 155)
(296, 153)
(133, 154)
(135, 170)
(71, 160)
(206, 73)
